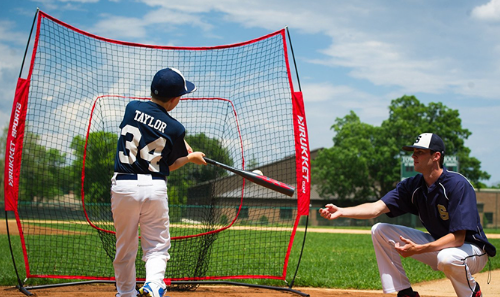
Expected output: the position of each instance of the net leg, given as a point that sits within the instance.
(20, 283)
(24, 290)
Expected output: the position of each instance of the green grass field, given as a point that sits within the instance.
(329, 260)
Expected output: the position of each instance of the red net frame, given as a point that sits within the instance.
(22, 134)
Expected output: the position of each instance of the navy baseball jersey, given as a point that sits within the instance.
(150, 140)
(447, 206)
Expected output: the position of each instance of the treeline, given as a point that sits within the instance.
(365, 160)
(48, 173)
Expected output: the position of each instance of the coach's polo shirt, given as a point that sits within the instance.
(447, 206)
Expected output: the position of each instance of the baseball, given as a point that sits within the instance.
(258, 172)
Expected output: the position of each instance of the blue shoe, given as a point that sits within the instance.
(151, 290)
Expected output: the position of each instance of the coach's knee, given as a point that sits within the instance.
(379, 228)
(379, 232)
(448, 262)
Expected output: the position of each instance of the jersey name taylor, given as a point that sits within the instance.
(150, 140)
(147, 119)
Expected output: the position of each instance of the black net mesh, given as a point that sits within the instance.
(241, 115)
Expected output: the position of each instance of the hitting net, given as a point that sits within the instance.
(62, 141)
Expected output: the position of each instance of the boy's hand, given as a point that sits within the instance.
(197, 158)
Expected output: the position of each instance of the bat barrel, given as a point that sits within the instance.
(258, 179)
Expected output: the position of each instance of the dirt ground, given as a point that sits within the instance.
(439, 288)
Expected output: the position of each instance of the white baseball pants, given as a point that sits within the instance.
(140, 202)
(458, 264)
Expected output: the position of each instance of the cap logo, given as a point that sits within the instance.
(183, 79)
(423, 140)
(170, 83)
(428, 141)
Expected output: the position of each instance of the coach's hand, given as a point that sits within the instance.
(409, 248)
(330, 212)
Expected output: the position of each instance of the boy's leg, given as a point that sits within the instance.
(125, 207)
(155, 233)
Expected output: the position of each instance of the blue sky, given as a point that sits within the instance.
(351, 54)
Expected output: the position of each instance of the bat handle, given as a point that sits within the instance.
(210, 161)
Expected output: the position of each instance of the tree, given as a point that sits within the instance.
(41, 170)
(343, 170)
(191, 175)
(365, 161)
(408, 117)
(99, 165)
(213, 149)
(179, 181)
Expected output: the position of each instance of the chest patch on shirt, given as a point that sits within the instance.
(443, 213)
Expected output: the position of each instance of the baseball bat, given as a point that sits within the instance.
(256, 178)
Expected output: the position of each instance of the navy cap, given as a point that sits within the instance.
(427, 141)
(169, 83)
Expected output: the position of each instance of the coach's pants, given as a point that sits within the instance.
(458, 264)
(140, 202)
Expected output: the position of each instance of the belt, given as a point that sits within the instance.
(133, 176)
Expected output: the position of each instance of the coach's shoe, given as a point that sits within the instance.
(408, 293)
(477, 291)
(151, 290)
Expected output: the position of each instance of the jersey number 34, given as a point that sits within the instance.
(150, 153)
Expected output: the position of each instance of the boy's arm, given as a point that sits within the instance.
(196, 158)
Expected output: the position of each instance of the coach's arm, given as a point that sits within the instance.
(363, 211)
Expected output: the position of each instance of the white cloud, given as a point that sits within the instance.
(170, 17)
(118, 27)
(322, 92)
(324, 102)
(483, 122)
(387, 64)
(143, 28)
(10, 60)
(380, 44)
(79, 1)
(344, 96)
(7, 35)
(376, 48)
(270, 15)
(11, 48)
(53, 5)
(487, 12)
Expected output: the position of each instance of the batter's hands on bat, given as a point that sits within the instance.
(197, 158)
(409, 248)
(331, 212)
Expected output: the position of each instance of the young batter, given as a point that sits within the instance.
(151, 145)
(445, 202)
